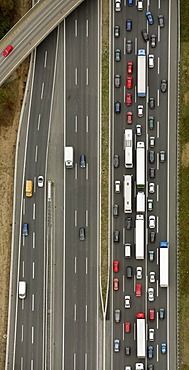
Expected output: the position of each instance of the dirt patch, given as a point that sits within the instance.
(185, 155)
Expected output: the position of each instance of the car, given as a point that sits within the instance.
(152, 173)
(129, 82)
(116, 161)
(129, 118)
(151, 103)
(163, 85)
(151, 188)
(117, 5)
(116, 236)
(128, 99)
(117, 107)
(151, 61)
(138, 290)
(127, 351)
(115, 210)
(140, 111)
(161, 20)
(151, 314)
(82, 233)
(151, 335)
(117, 55)
(144, 34)
(151, 294)
(129, 46)
(127, 327)
(139, 272)
(151, 122)
(161, 313)
(117, 315)
(149, 17)
(140, 4)
(152, 236)
(150, 352)
(151, 255)
(117, 186)
(163, 348)
(116, 345)
(129, 272)
(152, 277)
(152, 222)
(25, 229)
(40, 181)
(153, 40)
(128, 25)
(82, 161)
(117, 80)
(150, 367)
(8, 50)
(128, 223)
(162, 156)
(127, 301)
(130, 2)
(150, 204)
(116, 31)
(116, 266)
(130, 68)
(152, 141)
(138, 130)
(116, 284)
(151, 156)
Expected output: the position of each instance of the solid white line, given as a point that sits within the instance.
(34, 184)
(157, 257)
(85, 361)
(87, 76)
(157, 192)
(158, 126)
(75, 265)
(33, 270)
(22, 333)
(39, 121)
(75, 217)
(158, 64)
(135, 94)
(33, 244)
(147, 95)
(33, 302)
(158, 97)
(24, 205)
(86, 312)
(32, 334)
(87, 123)
(76, 171)
(136, 45)
(75, 123)
(86, 265)
(75, 27)
(87, 217)
(75, 312)
(146, 283)
(36, 152)
(75, 76)
(134, 331)
(42, 90)
(34, 211)
(87, 171)
(123, 330)
(45, 61)
(87, 28)
(74, 361)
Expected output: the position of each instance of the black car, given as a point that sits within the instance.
(82, 161)
(161, 313)
(116, 161)
(163, 85)
(152, 173)
(117, 55)
(128, 223)
(129, 46)
(116, 31)
(151, 103)
(129, 271)
(153, 40)
(115, 210)
(127, 351)
(117, 107)
(117, 80)
(161, 20)
(82, 233)
(128, 25)
(145, 35)
(116, 236)
(151, 156)
(152, 237)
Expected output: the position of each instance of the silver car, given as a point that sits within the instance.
(127, 301)
(150, 204)
(151, 188)
(151, 294)
(116, 345)
(152, 222)
(151, 335)
(152, 277)
(117, 315)
(139, 272)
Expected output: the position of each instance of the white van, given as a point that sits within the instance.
(127, 250)
(140, 4)
(22, 289)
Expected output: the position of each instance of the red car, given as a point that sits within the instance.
(128, 99)
(138, 290)
(116, 266)
(129, 118)
(116, 284)
(129, 68)
(129, 82)
(127, 327)
(151, 314)
(8, 50)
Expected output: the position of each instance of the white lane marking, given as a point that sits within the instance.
(157, 161)
(33, 270)
(123, 330)
(136, 45)
(32, 363)
(87, 28)
(158, 129)
(157, 224)
(87, 76)
(33, 242)
(86, 265)
(85, 361)
(87, 171)
(135, 94)
(34, 211)
(157, 287)
(86, 312)
(36, 152)
(42, 90)
(123, 283)
(75, 217)
(157, 192)
(124, 93)
(157, 257)
(76, 171)
(33, 302)
(124, 42)
(159, 35)
(75, 312)
(32, 334)
(157, 352)
(34, 184)
(123, 235)
(159, 5)
(158, 64)
(147, 143)
(22, 333)
(147, 95)
(146, 283)
(134, 331)
(74, 361)
(21, 363)
(134, 283)
(23, 269)
(87, 123)
(39, 122)
(75, 76)
(75, 265)
(75, 123)
(158, 98)
(24, 206)
(75, 27)
(87, 217)
(157, 319)
(45, 61)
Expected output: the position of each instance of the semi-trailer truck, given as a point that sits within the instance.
(141, 335)
(139, 237)
(164, 264)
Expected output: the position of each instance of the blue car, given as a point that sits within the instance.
(163, 348)
(128, 25)
(25, 231)
(130, 2)
(149, 17)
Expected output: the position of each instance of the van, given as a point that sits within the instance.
(127, 250)
(29, 188)
(22, 289)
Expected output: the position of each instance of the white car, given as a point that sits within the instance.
(152, 277)
(140, 4)
(140, 110)
(127, 301)
(151, 334)
(138, 130)
(117, 186)
(40, 181)
(117, 5)
(152, 141)
(151, 188)
(150, 204)
(151, 61)
(151, 294)
(139, 272)
(152, 222)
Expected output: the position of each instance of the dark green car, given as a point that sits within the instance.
(151, 122)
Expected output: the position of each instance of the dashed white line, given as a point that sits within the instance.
(157, 161)
(158, 64)
(124, 93)
(136, 45)
(157, 129)
(74, 361)
(157, 287)
(23, 269)
(34, 211)
(87, 171)
(33, 242)
(146, 283)
(42, 90)
(157, 352)
(75, 312)
(76, 171)
(87, 123)
(75, 76)
(33, 302)
(32, 363)
(123, 331)
(159, 4)
(86, 312)
(75, 217)
(34, 184)
(85, 361)
(135, 94)
(157, 224)
(75, 123)
(39, 122)
(123, 235)
(123, 283)
(24, 206)
(32, 334)
(157, 259)
(134, 331)
(157, 192)
(124, 42)
(86, 217)
(159, 35)
(75, 265)
(157, 319)
(87, 28)
(45, 61)
(22, 333)
(158, 98)
(21, 363)
(87, 76)
(36, 152)
(86, 265)
(75, 27)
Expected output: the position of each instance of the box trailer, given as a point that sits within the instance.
(139, 237)
(164, 264)
(68, 156)
(141, 335)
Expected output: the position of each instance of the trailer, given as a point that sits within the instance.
(139, 237)
(140, 165)
(164, 264)
(141, 73)
(68, 156)
(140, 202)
(141, 335)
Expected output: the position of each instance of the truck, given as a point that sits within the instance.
(139, 237)
(140, 202)
(141, 73)
(140, 165)
(141, 335)
(68, 156)
(164, 264)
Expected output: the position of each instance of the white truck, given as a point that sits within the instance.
(139, 366)
(139, 237)
(141, 335)
(141, 73)
(164, 264)
(140, 202)
(140, 165)
(68, 156)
